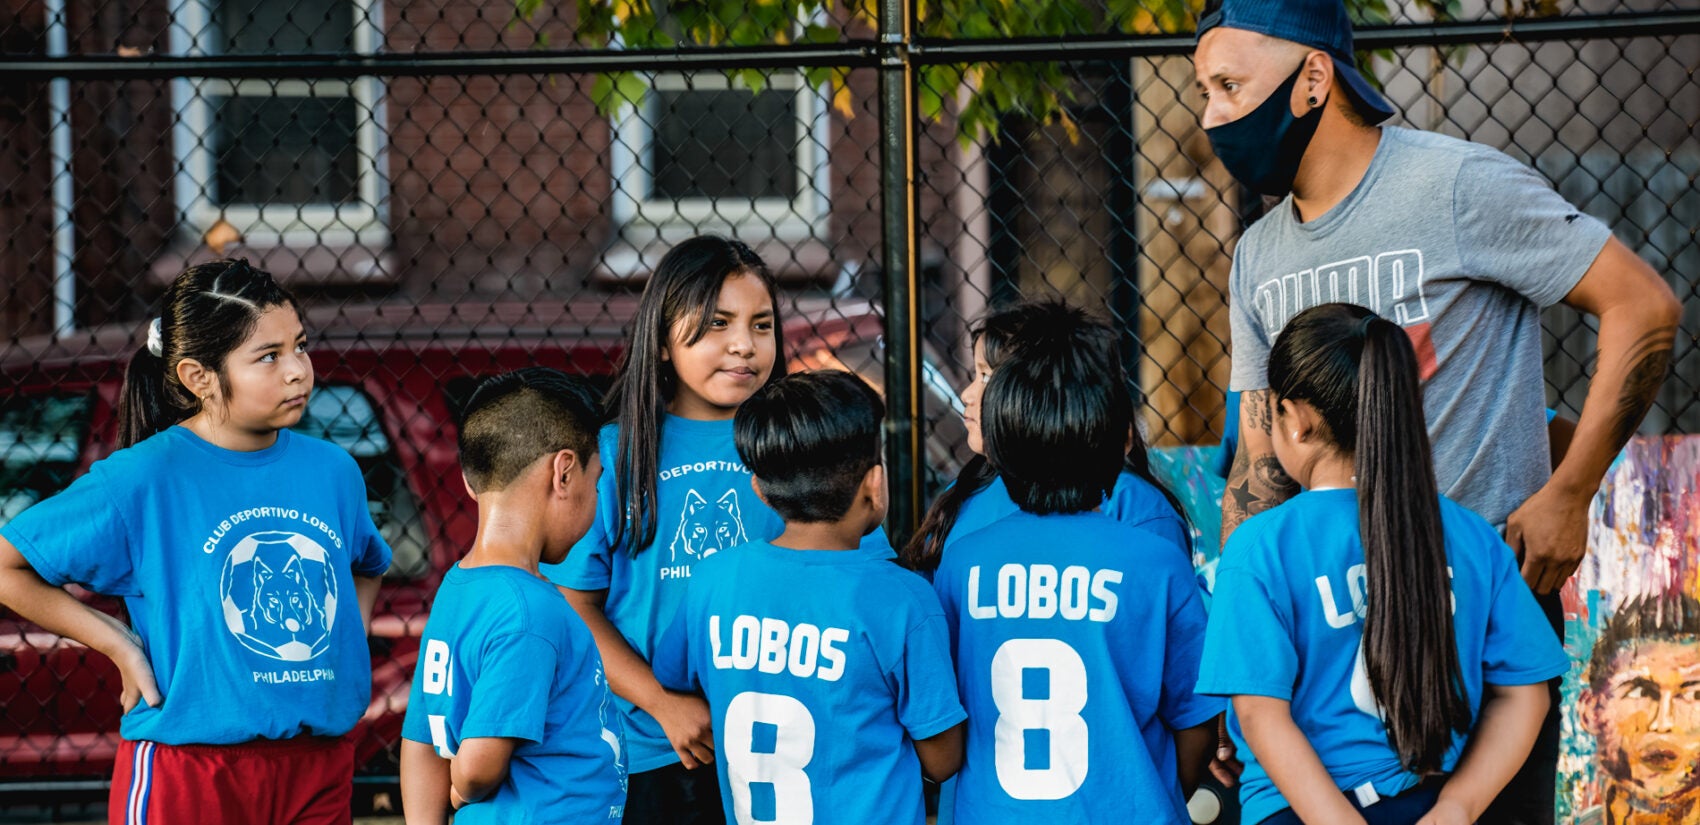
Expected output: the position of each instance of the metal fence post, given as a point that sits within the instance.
(903, 423)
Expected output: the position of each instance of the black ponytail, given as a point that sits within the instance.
(210, 309)
(686, 284)
(926, 548)
(1359, 372)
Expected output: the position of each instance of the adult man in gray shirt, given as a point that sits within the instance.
(1460, 245)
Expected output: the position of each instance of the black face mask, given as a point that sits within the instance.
(1263, 148)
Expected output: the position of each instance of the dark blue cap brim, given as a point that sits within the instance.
(1369, 102)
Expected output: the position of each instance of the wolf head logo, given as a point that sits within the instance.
(604, 713)
(283, 599)
(706, 529)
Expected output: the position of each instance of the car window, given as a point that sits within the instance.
(947, 436)
(345, 416)
(41, 438)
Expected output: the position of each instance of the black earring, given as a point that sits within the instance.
(1312, 101)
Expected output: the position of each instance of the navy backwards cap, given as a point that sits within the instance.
(1319, 24)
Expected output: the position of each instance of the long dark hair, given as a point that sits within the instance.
(998, 333)
(686, 284)
(1359, 372)
(210, 309)
(1055, 419)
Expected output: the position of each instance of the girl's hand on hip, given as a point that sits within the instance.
(139, 684)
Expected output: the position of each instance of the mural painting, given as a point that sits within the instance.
(1631, 748)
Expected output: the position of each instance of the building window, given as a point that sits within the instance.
(705, 152)
(281, 161)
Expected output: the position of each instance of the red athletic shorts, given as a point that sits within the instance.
(308, 779)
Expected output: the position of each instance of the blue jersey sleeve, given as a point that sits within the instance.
(944, 586)
(510, 699)
(927, 701)
(671, 661)
(79, 535)
(1181, 705)
(1520, 648)
(1248, 643)
(588, 565)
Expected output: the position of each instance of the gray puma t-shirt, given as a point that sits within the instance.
(1460, 245)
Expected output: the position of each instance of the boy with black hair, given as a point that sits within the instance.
(1076, 637)
(509, 719)
(827, 669)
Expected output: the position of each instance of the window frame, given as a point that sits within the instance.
(802, 216)
(361, 221)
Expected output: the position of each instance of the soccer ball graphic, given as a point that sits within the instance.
(278, 595)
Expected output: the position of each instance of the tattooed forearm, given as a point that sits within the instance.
(1650, 359)
(1255, 484)
(1254, 405)
(1274, 479)
(1238, 498)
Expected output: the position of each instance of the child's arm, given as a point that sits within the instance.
(424, 784)
(478, 767)
(1510, 720)
(57, 611)
(366, 594)
(683, 716)
(1193, 748)
(1291, 761)
(941, 755)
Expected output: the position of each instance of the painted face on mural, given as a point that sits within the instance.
(1647, 720)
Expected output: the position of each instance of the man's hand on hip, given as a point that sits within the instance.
(1550, 534)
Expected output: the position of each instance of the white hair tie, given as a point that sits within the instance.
(156, 343)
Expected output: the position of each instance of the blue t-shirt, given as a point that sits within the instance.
(705, 504)
(1134, 502)
(504, 655)
(1076, 640)
(1285, 624)
(820, 669)
(237, 569)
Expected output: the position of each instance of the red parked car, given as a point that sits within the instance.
(389, 381)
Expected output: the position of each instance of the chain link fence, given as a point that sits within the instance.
(459, 187)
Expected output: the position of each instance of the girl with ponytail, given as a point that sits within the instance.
(246, 557)
(1386, 662)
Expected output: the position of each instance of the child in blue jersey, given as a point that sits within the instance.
(246, 557)
(826, 668)
(1076, 637)
(979, 497)
(510, 718)
(707, 335)
(1386, 661)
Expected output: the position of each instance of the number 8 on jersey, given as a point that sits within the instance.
(1039, 687)
(770, 739)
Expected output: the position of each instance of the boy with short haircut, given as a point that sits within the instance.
(827, 669)
(1076, 637)
(509, 719)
